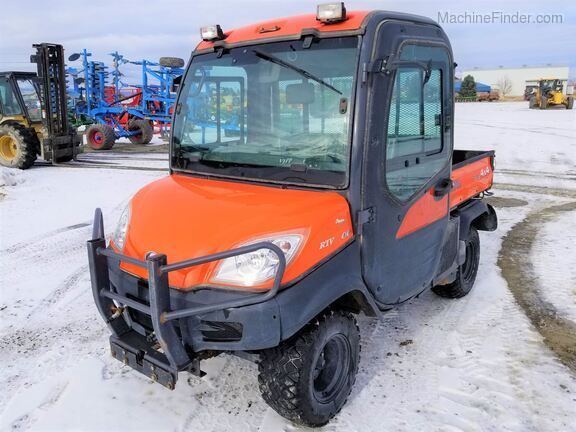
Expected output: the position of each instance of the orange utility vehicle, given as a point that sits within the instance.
(312, 177)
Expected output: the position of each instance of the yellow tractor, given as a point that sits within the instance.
(550, 92)
(33, 113)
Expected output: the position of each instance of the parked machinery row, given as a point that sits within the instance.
(112, 108)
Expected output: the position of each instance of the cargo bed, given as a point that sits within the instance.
(472, 174)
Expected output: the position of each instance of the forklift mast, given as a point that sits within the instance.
(61, 142)
(49, 59)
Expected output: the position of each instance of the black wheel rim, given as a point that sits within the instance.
(470, 265)
(331, 368)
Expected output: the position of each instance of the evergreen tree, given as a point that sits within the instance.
(468, 87)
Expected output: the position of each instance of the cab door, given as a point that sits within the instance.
(407, 162)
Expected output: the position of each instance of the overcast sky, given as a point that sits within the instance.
(150, 29)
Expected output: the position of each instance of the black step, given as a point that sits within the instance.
(139, 353)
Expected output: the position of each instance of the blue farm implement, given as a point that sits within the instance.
(114, 109)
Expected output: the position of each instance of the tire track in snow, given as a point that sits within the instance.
(25, 245)
(27, 420)
(514, 261)
(563, 176)
(69, 284)
(105, 166)
(541, 190)
(544, 131)
(483, 399)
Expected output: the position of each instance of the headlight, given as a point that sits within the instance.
(119, 237)
(259, 266)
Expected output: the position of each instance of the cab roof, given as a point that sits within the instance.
(288, 27)
(24, 74)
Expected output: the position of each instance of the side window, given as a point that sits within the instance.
(415, 147)
(10, 104)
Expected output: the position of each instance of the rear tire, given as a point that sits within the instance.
(18, 146)
(308, 378)
(146, 131)
(543, 102)
(533, 102)
(467, 272)
(569, 102)
(100, 137)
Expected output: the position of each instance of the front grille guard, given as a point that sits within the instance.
(159, 310)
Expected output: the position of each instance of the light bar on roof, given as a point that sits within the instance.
(331, 12)
(211, 33)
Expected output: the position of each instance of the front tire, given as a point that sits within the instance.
(466, 272)
(18, 146)
(533, 102)
(100, 136)
(308, 378)
(569, 102)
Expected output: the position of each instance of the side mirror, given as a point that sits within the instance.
(74, 57)
(171, 62)
(176, 84)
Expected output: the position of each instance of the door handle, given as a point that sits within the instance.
(443, 187)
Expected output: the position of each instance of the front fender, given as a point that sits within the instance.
(336, 282)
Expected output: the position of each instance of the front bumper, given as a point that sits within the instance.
(160, 331)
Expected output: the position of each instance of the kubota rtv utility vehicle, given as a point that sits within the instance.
(337, 192)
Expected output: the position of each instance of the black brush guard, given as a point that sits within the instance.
(160, 363)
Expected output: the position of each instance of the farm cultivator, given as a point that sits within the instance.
(112, 108)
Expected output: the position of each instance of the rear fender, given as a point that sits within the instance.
(487, 221)
(478, 214)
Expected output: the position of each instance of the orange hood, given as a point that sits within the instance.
(185, 217)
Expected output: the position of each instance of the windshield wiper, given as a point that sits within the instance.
(303, 72)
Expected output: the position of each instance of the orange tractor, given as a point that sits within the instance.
(337, 192)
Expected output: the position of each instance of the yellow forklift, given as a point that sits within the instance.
(33, 112)
(550, 92)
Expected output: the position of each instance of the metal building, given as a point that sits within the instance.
(516, 78)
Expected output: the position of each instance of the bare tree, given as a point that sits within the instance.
(504, 85)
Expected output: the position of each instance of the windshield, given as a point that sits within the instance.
(31, 100)
(276, 112)
(552, 84)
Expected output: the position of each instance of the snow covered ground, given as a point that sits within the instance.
(553, 256)
(475, 364)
